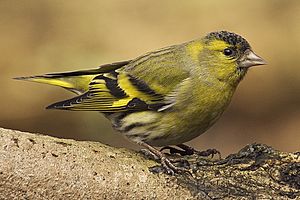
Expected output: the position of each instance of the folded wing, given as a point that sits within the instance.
(114, 92)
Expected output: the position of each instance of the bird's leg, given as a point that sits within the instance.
(165, 162)
(190, 151)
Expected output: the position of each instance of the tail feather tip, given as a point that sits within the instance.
(50, 107)
(20, 78)
(54, 106)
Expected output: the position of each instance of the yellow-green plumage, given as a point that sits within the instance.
(165, 97)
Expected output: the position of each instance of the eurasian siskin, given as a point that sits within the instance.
(165, 97)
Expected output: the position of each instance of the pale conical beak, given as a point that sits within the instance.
(250, 59)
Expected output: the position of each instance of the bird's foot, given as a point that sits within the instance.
(187, 150)
(174, 151)
(167, 164)
(168, 167)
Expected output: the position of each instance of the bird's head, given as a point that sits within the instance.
(227, 56)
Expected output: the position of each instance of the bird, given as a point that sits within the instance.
(165, 97)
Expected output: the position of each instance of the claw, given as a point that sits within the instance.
(187, 150)
(190, 151)
(209, 152)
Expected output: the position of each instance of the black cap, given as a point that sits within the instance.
(230, 38)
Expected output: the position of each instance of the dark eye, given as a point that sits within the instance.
(228, 52)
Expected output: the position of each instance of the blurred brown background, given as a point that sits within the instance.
(52, 36)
